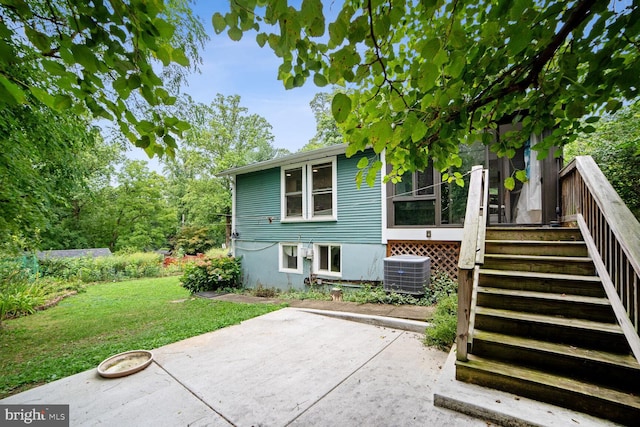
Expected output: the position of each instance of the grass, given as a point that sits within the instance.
(442, 332)
(108, 318)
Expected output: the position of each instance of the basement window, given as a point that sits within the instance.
(290, 259)
(328, 261)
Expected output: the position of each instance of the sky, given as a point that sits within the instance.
(244, 68)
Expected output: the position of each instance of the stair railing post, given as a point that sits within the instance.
(467, 261)
(465, 287)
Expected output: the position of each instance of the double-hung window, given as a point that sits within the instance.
(328, 260)
(294, 182)
(309, 191)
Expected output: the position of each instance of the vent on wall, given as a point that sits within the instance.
(407, 274)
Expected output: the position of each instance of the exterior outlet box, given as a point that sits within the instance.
(408, 274)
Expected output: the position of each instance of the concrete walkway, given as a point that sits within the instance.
(289, 367)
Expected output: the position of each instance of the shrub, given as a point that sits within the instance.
(14, 270)
(442, 332)
(378, 295)
(22, 291)
(18, 294)
(311, 293)
(17, 299)
(214, 252)
(117, 267)
(441, 287)
(211, 274)
(193, 239)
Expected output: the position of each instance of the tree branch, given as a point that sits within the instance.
(378, 55)
(536, 64)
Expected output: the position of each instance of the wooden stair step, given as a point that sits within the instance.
(543, 282)
(539, 242)
(562, 391)
(547, 296)
(619, 371)
(572, 331)
(541, 263)
(541, 258)
(567, 305)
(533, 233)
(537, 247)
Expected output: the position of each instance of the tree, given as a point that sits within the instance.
(69, 224)
(425, 76)
(45, 164)
(133, 214)
(327, 132)
(615, 146)
(113, 59)
(223, 135)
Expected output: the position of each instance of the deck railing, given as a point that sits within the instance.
(612, 231)
(471, 254)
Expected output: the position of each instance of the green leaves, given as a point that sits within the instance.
(340, 107)
(219, 23)
(510, 183)
(460, 68)
(12, 91)
(521, 176)
(235, 33)
(419, 131)
(97, 56)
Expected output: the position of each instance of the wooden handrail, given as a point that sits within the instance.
(618, 309)
(589, 199)
(471, 254)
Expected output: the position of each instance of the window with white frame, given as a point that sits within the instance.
(309, 191)
(290, 259)
(328, 259)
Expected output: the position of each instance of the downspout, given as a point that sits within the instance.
(383, 200)
(231, 234)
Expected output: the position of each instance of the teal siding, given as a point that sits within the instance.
(257, 201)
(260, 265)
(358, 228)
(258, 210)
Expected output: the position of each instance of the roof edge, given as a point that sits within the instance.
(299, 157)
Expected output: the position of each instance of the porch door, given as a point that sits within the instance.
(523, 204)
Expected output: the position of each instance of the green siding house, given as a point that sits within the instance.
(301, 219)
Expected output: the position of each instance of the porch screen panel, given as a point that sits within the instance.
(415, 212)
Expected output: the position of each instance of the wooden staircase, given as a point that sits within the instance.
(543, 328)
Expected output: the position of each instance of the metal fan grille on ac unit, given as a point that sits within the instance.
(407, 274)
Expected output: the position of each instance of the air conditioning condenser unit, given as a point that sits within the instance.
(408, 274)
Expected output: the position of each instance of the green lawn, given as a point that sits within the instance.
(108, 318)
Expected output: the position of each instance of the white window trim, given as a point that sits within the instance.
(283, 191)
(307, 190)
(281, 267)
(316, 261)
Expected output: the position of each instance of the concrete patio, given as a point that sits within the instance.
(299, 367)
